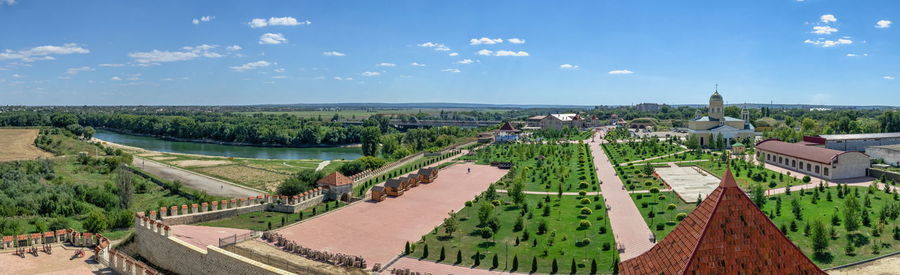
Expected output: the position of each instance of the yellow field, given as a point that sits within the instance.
(18, 144)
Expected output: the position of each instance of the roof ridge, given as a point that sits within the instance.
(705, 229)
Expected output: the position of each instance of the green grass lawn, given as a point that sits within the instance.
(745, 173)
(563, 240)
(260, 221)
(665, 207)
(638, 150)
(547, 167)
(635, 177)
(864, 239)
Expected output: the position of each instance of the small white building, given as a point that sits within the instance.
(813, 160)
(559, 121)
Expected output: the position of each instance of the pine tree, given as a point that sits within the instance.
(442, 256)
(406, 249)
(458, 257)
(495, 262)
(534, 264)
(515, 263)
(477, 258)
(574, 268)
(554, 267)
(425, 251)
(593, 266)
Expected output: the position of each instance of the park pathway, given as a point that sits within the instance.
(210, 185)
(653, 158)
(629, 228)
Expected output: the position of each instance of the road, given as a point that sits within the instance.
(210, 185)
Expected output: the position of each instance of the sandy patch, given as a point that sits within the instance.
(18, 144)
(252, 177)
(150, 154)
(888, 265)
(198, 163)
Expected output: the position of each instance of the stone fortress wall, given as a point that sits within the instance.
(208, 211)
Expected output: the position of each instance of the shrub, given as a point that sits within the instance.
(583, 185)
(586, 211)
(654, 190)
(671, 206)
(660, 226)
(662, 197)
(585, 201)
(644, 204)
(605, 246)
(496, 202)
(585, 241)
(582, 192)
(602, 230)
(680, 216)
(584, 224)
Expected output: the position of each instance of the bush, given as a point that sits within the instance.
(680, 216)
(585, 241)
(654, 190)
(671, 206)
(496, 202)
(606, 246)
(662, 197)
(582, 192)
(660, 226)
(806, 179)
(644, 204)
(584, 224)
(586, 211)
(583, 185)
(602, 230)
(585, 201)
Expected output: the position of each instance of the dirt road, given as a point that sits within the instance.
(210, 185)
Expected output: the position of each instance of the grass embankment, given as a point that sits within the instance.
(665, 208)
(266, 220)
(563, 229)
(566, 167)
(263, 174)
(878, 232)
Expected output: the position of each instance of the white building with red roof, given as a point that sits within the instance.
(813, 160)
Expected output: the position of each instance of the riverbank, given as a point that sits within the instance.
(218, 142)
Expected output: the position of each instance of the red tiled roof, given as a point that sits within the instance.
(7, 239)
(726, 234)
(334, 179)
(797, 150)
(507, 127)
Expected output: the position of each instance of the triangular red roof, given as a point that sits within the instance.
(334, 179)
(507, 127)
(726, 234)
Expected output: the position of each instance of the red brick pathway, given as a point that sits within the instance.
(628, 226)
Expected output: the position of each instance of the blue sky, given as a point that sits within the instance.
(511, 52)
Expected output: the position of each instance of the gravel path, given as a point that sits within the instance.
(322, 165)
(210, 185)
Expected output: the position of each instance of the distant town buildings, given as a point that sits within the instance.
(813, 160)
(716, 123)
(854, 142)
(648, 107)
(559, 121)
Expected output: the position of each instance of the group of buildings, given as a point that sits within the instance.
(396, 186)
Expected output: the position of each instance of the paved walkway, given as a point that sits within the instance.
(201, 236)
(60, 262)
(210, 185)
(628, 226)
(377, 231)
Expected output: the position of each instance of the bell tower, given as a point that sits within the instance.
(716, 106)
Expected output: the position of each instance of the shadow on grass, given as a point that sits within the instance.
(825, 258)
(858, 239)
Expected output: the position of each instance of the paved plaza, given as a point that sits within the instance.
(688, 182)
(60, 262)
(377, 231)
(201, 236)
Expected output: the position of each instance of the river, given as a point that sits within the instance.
(210, 149)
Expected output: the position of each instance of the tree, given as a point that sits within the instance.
(593, 266)
(491, 193)
(819, 237)
(759, 195)
(124, 183)
(370, 137)
(534, 264)
(796, 209)
(495, 262)
(450, 224)
(425, 251)
(554, 267)
(96, 222)
(485, 213)
(517, 192)
(851, 213)
(477, 258)
(406, 250)
(574, 268)
(442, 255)
(301, 181)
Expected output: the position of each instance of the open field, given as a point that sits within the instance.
(621, 152)
(18, 144)
(574, 228)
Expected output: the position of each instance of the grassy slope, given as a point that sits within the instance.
(259, 221)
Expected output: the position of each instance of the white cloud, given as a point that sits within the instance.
(280, 76)
(17, 76)
(333, 53)
(888, 77)
(251, 66)
(465, 61)
(510, 53)
(367, 74)
(435, 46)
(417, 64)
(568, 67)
(453, 54)
(485, 41)
(74, 71)
(485, 52)
(110, 65)
(279, 70)
(272, 39)
(233, 48)
(7, 2)
(116, 78)
(824, 30)
(43, 52)
(189, 52)
(276, 21)
(855, 55)
(883, 24)
(203, 19)
(385, 64)
(828, 18)
(451, 70)
(516, 41)
(828, 43)
(343, 78)
(620, 72)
